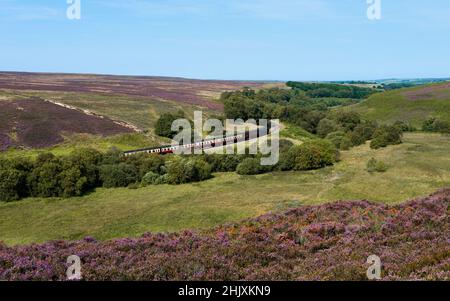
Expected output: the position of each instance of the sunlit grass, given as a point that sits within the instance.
(418, 167)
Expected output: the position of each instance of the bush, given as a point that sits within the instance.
(313, 154)
(10, 182)
(44, 180)
(348, 120)
(181, 171)
(145, 163)
(223, 163)
(286, 161)
(435, 125)
(164, 179)
(163, 126)
(285, 145)
(150, 178)
(13, 175)
(376, 166)
(362, 132)
(386, 135)
(346, 143)
(72, 182)
(404, 127)
(250, 166)
(336, 138)
(326, 126)
(118, 175)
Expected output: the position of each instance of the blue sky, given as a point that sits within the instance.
(229, 39)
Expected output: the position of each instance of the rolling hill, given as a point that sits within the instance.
(412, 105)
(36, 123)
(188, 91)
(57, 106)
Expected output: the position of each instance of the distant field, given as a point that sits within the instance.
(188, 91)
(418, 167)
(411, 104)
(40, 110)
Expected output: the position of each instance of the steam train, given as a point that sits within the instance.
(205, 144)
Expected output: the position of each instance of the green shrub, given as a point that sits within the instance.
(10, 183)
(223, 163)
(376, 166)
(285, 145)
(44, 180)
(362, 132)
(404, 127)
(163, 126)
(164, 179)
(336, 138)
(181, 171)
(72, 182)
(326, 126)
(145, 163)
(313, 154)
(150, 178)
(286, 161)
(386, 135)
(118, 175)
(348, 120)
(250, 166)
(436, 125)
(13, 175)
(346, 143)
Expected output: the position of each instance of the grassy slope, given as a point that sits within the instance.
(123, 142)
(396, 105)
(137, 111)
(141, 112)
(418, 167)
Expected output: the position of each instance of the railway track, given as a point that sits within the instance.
(205, 144)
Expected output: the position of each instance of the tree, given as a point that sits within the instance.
(72, 182)
(163, 126)
(249, 166)
(326, 126)
(43, 181)
(348, 120)
(336, 138)
(386, 135)
(118, 175)
(11, 181)
(181, 171)
(313, 154)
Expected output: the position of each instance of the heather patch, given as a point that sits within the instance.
(327, 242)
(37, 123)
(441, 91)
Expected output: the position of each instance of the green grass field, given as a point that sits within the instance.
(413, 105)
(417, 167)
